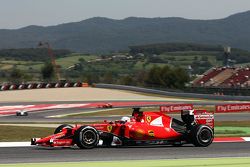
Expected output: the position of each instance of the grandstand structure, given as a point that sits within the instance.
(224, 77)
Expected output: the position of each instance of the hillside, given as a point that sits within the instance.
(104, 35)
(76, 66)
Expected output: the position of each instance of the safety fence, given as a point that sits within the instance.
(219, 108)
(174, 94)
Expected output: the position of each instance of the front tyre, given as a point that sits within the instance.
(202, 135)
(86, 137)
(61, 127)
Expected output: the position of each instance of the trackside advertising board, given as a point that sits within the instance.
(233, 107)
(176, 107)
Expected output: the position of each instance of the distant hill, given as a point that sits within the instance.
(98, 34)
(31, 54)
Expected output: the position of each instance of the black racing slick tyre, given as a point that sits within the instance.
(86, 137)
(59, 128)
(202, 135)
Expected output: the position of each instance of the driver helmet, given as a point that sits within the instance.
(125, 119)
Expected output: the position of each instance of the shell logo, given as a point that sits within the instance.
(151, 133)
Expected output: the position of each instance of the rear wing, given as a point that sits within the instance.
(189, 115)
(200, 117)
(203, 117)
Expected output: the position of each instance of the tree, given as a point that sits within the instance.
(16, 75)
(182, 77)
(167, 77)
(90, 78)
(195, 58)
(140, 77)
(27, 77)
(47, 71)
(108, 77)
(154, 76)
(127, 80)
(204, 58)
(82, 60)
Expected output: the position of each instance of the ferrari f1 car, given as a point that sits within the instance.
(107, 105)
(196, 127)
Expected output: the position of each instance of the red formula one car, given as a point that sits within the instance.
(107, 105)
(142, 128)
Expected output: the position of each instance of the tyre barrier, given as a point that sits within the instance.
(66, 85)
(41, 85)
(5, 87)
(58, 85)
(78, 84)
(22, 86)
(32, 86)
(13, 87)
(48, 85)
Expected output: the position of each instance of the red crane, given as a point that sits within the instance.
(52, 57)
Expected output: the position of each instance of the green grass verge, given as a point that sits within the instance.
(232, 131)
(165, 96)
(109, 112)
(65, 62)
(232, 123)
(210, 162)
(22, 133)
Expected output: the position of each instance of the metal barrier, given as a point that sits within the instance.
(175, 94)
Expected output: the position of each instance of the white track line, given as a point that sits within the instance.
(246, 138)
(27, 144)
(15, 144)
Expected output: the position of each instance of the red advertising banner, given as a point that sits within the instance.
(233, 107)
(176, 107)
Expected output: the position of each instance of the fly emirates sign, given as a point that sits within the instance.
(233, 107)
(176, 107)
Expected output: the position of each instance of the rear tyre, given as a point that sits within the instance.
(86, 137)
(202, 135)
(59, 128)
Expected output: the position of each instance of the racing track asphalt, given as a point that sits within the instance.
(38, 154)
(41, 116)
(80, 102)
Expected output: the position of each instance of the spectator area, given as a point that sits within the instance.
(226, 77)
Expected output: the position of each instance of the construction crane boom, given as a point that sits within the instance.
(52, 57)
